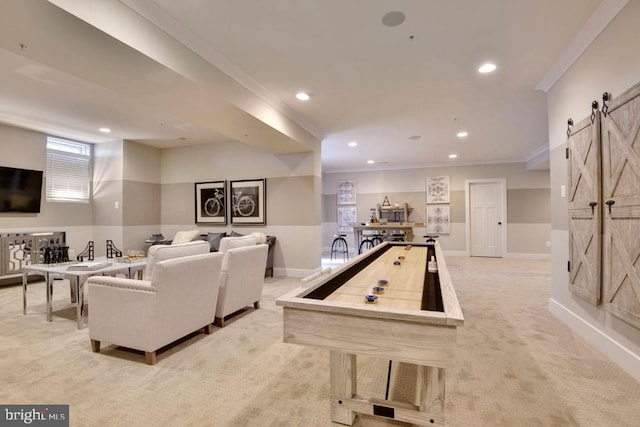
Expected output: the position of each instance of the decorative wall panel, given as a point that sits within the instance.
(438, 189)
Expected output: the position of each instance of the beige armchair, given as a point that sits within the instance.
(241, 280)
(227, 243)
(180, 298)
(159, 253)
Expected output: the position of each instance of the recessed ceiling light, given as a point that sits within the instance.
(453, 156)
(302, 96)
(370, 162)
(352, 144)
(105, 130)
(462, 134)
(487, 68)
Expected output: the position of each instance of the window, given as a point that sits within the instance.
(68, 171)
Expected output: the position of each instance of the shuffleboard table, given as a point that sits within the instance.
(414, 320)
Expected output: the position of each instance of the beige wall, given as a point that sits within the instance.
(141, 195)
(107, 192)
(528, 204)
(154, 192)
(26, 149)
(292, 192)
(126, 194)
(610, 64)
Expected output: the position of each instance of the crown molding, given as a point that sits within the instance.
(602, 16)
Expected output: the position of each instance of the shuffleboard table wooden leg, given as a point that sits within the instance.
(430, 391)
(343, 385)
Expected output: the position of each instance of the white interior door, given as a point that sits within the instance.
(486, 218)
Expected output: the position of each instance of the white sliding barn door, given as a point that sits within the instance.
(486, 218)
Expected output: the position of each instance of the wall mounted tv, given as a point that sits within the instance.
(20, 190)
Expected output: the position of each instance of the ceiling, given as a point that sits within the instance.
(171, 73)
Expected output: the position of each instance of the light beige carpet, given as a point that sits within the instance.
(517, 366)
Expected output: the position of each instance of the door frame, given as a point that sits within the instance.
(467, 202)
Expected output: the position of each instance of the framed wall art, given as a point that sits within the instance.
(211, 202)
(346, 192)
(438, 219)
(347, 216)
(437, 189)
(248, 201)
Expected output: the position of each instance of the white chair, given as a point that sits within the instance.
(227, 243)
(241, 280)
(146, 315)
(159, 253)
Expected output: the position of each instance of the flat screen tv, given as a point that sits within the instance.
(20, 190)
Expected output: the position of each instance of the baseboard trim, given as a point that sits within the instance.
(292, 272)
(618, 353)
(455, 253)
(516, 255)
(513, 255)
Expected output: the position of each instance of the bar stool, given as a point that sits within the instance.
(366, 243)
(369, 241)
(339, 246)
(376, 239)
(395, 237)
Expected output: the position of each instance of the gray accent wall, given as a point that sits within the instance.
(107, 191)
(559, 204)
(283, 208)
(141, 203)
(141, 194)
(529, 206)
(177, 204)
(126, 198)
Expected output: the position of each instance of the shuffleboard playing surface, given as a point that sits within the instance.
(406, 281)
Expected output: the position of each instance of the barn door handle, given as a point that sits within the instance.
(609, 203)
(593, 207)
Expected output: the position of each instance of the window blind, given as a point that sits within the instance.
(68, 171)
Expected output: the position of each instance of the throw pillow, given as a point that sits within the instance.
(185, 236)
(234, 234)
(260, 237)
(214, 240)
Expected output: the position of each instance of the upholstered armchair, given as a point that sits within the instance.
(179, 298)
(159, 253)
(241, 280)
(227, 243)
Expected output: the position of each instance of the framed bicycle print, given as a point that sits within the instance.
(248, 201)
(211, 202)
